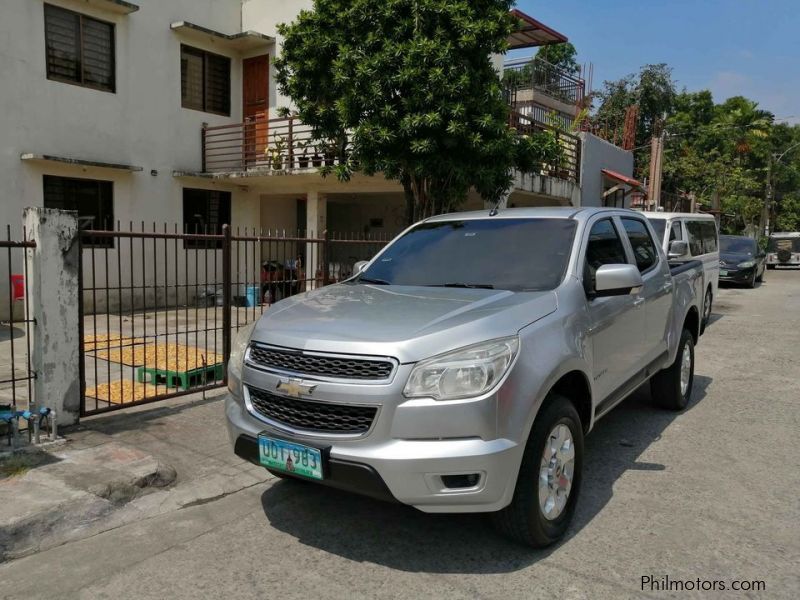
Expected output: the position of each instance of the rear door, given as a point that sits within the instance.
(616, 322)
(656, 293)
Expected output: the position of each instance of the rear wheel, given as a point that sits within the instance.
(671, 388)
(752, 283)
(707, 303)
(549, 478)
(770, 267)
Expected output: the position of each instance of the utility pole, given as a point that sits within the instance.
(656, 161)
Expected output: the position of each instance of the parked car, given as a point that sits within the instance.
(783, 250)
(741, 260)
(699, 231)
(460, 369)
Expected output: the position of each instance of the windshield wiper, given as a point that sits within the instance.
(375, 281)
(479, 286)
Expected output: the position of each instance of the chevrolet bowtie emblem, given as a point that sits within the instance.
(295, 388)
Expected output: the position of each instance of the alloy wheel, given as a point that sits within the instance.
(556, 471)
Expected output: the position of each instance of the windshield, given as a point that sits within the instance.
(493, 253)
(737, 245)
(659, 225)
(779, 243)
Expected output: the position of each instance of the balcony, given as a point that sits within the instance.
(537, 74)
(285, 146)
(280, 145)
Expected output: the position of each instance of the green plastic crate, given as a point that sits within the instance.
(181, 379)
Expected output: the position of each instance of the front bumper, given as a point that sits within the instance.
(734, 275)
(409, 471)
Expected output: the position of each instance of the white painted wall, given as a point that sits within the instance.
(597, 154)
(264, 16)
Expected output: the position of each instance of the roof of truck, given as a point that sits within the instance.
(675, 215)
(544, 212)
(788, 234)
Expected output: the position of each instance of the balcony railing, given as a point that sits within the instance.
(286, 145)
(568, 165)
(538, 74)
(281, 144)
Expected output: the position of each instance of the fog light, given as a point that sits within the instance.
(455, 482)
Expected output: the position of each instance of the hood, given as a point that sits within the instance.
(408, 323)
(734, 258)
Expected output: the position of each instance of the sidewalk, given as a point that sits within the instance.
(118, 468)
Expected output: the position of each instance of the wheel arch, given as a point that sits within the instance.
(692, 322)
(574, 386)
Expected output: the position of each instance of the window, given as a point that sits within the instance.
(643, 249)
(709, 229)
(658, 225)
(675, 232)
(695, 230)
(205, 211)
(205, 81)
(603, 248)
(79, 49)
(93, 199)
(479, 253)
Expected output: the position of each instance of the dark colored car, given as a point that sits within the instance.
(741, 260)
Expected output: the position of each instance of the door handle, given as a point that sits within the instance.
(666, 287)
(638, 302)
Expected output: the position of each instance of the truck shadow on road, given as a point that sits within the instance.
(405, 539)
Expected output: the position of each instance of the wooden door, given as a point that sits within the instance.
(255, 107)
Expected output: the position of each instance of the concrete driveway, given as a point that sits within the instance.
(707, 497)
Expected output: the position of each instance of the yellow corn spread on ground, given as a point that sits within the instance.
(168, 357)
(106, 340)
(122, 392)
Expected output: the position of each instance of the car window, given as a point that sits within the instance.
(675, 232)
(737, 245)
(604, 247)
(709, 229)
(522, 254)
(695, 232)
(658, 225)
(643, 248)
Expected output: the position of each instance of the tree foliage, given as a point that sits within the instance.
(564, 56)
(407, 88)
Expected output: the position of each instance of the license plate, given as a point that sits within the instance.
(723, 273)
(290, 457)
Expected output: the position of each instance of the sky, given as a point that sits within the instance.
(732, 47)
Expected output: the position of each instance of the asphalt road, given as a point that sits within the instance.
(712, 493)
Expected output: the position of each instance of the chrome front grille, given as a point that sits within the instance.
(319, 365)
(318, 417)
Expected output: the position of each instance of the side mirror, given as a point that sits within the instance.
(359, 266)
(677, 249)
(617, 280)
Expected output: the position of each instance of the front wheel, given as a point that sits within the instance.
(671, 388)
(752, 283)
(549, 478)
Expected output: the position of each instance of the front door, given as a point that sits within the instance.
(616, 323)
(255, 107)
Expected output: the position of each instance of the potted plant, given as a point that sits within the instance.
(316, 160)
(330, 154)
(276, 152)
(302, 159)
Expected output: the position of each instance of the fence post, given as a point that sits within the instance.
(227, 283)
(203, 145)
(54, 288)
(326, 240)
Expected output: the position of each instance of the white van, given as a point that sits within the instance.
(701, 242)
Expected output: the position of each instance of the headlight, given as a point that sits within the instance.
(746, 264)
(463, 373)
(236, 360)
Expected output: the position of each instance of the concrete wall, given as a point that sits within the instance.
(597, 154)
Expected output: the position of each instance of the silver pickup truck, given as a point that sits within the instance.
(461, 368)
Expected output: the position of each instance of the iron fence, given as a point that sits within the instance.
(540, 75)
(16, 373)
(160, 306)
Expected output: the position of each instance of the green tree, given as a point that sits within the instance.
(407, 88)
(564, 56)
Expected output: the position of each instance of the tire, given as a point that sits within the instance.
(760, 278)
(524, 519)
(770, 267)
(708, 303)
(666, 387)
(752, 283)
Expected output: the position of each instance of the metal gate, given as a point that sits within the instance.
(159, 307)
